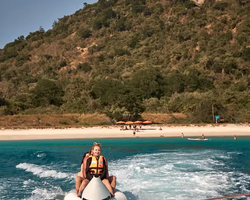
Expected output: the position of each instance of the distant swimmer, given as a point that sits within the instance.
(203, 137)
(235, 138)
(182, 135)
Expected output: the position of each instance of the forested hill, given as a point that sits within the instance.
(126, 57)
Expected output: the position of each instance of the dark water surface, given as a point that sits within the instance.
(146, 168)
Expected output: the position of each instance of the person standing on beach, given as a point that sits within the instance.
(134, 132)
(182, 135)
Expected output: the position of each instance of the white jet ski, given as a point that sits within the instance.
(95, 190)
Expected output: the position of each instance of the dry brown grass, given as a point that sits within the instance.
(52, 121)
(162, 118)
(73, 120)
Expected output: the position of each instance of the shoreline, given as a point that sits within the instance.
(152, 131)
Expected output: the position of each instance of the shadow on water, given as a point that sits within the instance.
(130, 195)
(59, 197)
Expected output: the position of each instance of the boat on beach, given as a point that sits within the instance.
(95, 190)
(197, 139)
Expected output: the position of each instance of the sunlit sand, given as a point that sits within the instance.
(116, 132)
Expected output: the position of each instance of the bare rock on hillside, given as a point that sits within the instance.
(198, 2)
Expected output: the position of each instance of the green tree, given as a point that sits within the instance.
(3, 102)
(246, 54)
(46, 93)
(149, 81)
(21, 59)
(99, 89)
(152, 105)
(220, 5)
(84, 67)
(109, 13)
(121, 24)
(173, 83)
(132, 102)
(116, 113)
(138, 8)
(84, 33)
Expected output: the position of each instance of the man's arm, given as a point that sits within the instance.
(84, 166)
(104, 173)
(107, 170)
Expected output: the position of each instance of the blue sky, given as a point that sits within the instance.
(20, 17)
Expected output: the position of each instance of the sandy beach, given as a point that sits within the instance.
(115, 132)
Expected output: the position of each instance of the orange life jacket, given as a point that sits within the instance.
(96, 166)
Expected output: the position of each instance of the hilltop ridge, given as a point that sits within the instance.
(126, 57)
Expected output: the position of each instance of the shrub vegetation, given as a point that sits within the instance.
(139, 56)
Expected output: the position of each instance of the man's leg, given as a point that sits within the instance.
(78, 182)
(83, 185)
(108, 186)
(112, 180)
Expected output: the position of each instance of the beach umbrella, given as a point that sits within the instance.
(138, 122)
(129, 122)
(147, 122)
(120, 122)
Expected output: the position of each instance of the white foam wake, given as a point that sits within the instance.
(53, 193)
(43, 171)
(176, 175)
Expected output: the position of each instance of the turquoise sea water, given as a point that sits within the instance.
(146, 168)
